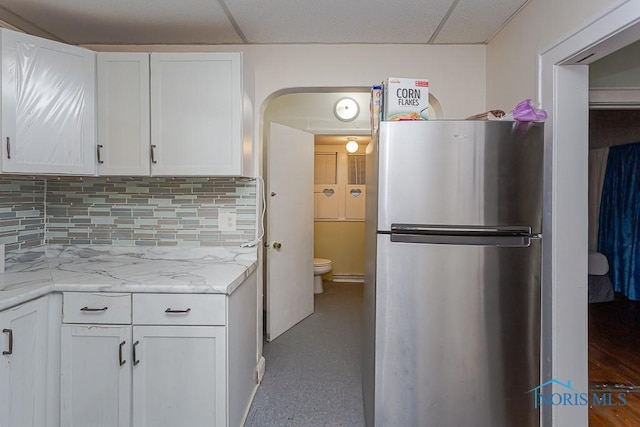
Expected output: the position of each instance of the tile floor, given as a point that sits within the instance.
(313, 374)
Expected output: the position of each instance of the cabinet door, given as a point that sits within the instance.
(196, 113)
(123, 113)
(48, 111)
(180, 378)
(326, 201)
(23, 364)
(354, 202)
(95, 376)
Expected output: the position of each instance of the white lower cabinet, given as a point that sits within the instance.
(179, 378)
(96, 376)
(143, 375)
(23, 364)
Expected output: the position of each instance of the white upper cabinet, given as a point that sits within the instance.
(48, 106)
(123, 114)
(196, 113)
(198, 107)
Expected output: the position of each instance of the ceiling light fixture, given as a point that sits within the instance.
(352, 145)
(346, 109)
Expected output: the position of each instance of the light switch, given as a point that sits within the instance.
(227, 220)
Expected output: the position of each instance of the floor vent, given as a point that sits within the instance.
(348, 278)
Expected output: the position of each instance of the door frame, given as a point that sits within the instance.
(563, 87)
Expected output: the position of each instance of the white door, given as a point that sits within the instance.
(95, 376)
(179, 376)
(289, 228)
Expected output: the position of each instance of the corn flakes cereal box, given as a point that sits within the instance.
(406, 99)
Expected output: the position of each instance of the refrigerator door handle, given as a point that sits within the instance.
(464, 230)
(475, 240)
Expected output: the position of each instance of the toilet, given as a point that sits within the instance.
(320, 266)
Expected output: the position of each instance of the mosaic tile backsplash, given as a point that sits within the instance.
(22, 212)
(130, 211)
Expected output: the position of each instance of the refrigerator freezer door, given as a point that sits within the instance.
(457, 334)
(460, 173)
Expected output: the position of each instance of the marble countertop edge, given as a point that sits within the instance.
(31, 274)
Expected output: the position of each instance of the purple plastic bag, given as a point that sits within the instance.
(527, 112)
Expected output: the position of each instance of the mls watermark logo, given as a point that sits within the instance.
(569, 396)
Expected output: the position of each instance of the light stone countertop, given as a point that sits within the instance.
(96, 268)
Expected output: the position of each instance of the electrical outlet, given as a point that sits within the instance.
(227, 220)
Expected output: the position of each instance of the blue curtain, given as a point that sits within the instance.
(619, 235)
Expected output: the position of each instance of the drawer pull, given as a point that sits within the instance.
(122, 361)
(10, 332)
(171, 311)
(94, 309)
(135, 358)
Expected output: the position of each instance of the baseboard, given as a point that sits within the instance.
(348, 278)
(248, 408)
(260, 369)
(259, 374)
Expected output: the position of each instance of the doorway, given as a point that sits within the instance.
(564, 87)
(614, 336)
(297, 116)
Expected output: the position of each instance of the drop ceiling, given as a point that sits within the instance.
(261, 22)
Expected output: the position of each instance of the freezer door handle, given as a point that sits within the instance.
(466, 230)
(475, 240)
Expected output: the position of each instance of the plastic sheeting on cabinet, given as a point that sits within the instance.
(48, 111)
(50, 96)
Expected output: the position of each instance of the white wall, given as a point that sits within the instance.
(512, 56)
(620, 69)
(456, 73)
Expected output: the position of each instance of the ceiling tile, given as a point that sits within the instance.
(259, 21)
(477, 20)
(127, 21)
(338, 21)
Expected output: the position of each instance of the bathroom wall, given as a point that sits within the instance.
(124, 211)
(22, 212)
(343, 243)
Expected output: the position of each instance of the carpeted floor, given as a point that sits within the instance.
(313, 375)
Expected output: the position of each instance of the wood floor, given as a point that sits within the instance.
(614, 360)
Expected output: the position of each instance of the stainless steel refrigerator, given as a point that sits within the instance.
(452, 280)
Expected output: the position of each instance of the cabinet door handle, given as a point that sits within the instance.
(8, 148)
(135, 358)
(122, 361)
(10, 332)
(98, 149)
(153, 154)
(94, 309)
(171, 311)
